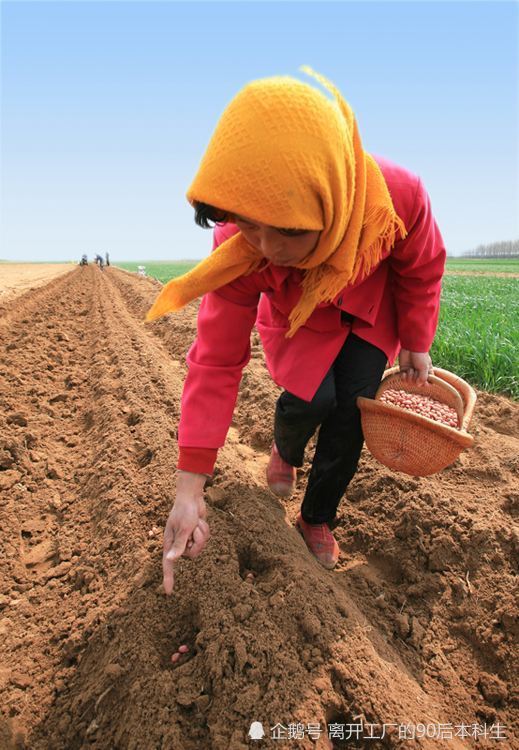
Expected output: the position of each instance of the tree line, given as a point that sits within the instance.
(494, 250)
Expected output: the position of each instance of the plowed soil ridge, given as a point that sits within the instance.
(417, 624)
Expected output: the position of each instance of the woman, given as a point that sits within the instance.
(336, 257)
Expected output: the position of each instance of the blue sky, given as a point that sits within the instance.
(107, 107)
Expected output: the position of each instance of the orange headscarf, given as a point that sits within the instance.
(286, 155)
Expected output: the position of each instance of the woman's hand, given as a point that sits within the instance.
(186, 531)
(415, 365)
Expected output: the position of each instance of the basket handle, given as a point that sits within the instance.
(467, 393)
(465, 390)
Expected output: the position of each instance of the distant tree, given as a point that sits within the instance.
(508, 249)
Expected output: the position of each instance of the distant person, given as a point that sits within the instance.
(107, 259)
(84, 260)
(335, 255)
(99, 261)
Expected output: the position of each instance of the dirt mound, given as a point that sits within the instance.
(417, 625)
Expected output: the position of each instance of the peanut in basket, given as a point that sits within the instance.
(423, 405)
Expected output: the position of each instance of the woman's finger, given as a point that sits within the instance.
(422, 375)
(199, 539)
(167, 566)
(168, 577)
(171, 554)
(168, 537)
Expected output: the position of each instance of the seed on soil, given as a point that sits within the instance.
(183, 649)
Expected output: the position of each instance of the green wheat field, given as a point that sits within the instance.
(478, 331)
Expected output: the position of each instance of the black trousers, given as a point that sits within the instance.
(357, 371)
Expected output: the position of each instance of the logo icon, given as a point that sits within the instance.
(256, 731)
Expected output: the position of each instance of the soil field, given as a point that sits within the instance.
(416, 626)
(16, 278)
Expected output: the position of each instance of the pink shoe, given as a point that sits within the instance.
(320, 541)
(281, 477)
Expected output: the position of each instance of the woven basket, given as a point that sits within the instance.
(408, 442)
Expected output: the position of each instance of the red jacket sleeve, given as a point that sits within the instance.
(215, 361)
(416, 267)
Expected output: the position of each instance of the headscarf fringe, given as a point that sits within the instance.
(323, 284)
(380, 247)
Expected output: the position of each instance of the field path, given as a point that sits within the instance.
(417, 624)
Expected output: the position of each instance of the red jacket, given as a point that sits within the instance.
(397, 306)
